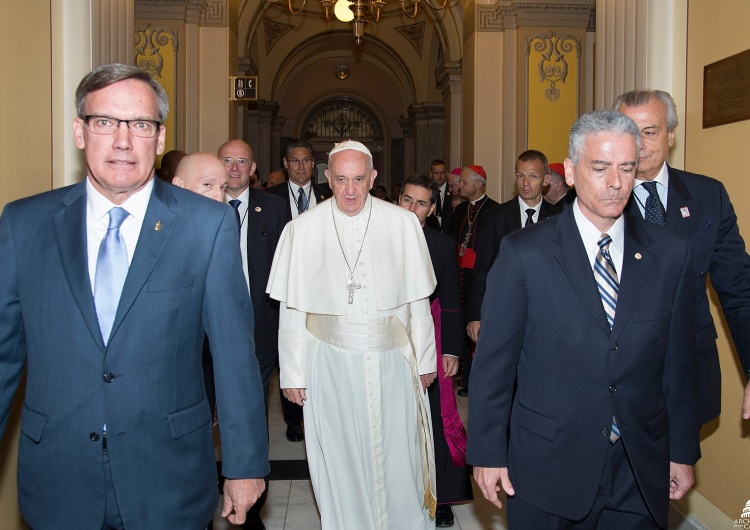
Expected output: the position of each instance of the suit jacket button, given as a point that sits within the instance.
(614, 347)
(612, 389)
(108, 377)
(604, 431)
(94, 437)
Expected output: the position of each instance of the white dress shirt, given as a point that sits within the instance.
(591, 236)
(524, 207)
(293, 191)
(97, 221)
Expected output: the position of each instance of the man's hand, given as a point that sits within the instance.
(680, 480)
(472, 329)
(295, 395)
(746, 403)
(450, 366)
(239, 496)
(427, 380)
(487, 479)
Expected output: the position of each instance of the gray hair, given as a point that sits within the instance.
(109, 74)
(638, 98)
(600, 121)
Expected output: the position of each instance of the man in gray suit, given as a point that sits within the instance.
(107, 289)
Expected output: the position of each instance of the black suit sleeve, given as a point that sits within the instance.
(487, 245)
(730, 276)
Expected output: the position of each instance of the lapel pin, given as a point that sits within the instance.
(638, 255)
(685, 212)
(258, 208)
(157, 227)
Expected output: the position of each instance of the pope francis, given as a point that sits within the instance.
(357, 349)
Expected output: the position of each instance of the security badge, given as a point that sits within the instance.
(685, 212)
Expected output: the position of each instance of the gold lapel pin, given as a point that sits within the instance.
(258, 208)
(157, 227)
(638, 255)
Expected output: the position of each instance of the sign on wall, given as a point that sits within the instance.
(244, 88)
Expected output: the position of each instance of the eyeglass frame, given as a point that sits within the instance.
(241, 162)
(298, 161)
(87, 117)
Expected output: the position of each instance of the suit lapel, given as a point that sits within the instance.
(151, 242)
(254, 222)
(575, 264)
(513, 216)
(637, 264)
(70, 231)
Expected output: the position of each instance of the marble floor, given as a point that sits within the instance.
(291, 503)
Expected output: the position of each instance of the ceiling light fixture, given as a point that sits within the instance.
(359, 8)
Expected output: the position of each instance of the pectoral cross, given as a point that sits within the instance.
(350, 286)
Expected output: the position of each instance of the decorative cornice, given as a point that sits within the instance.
(414, 33)
(511, 15)
(273, 31)
(489, 18)
(215, 14)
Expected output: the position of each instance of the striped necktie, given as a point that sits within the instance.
(609, 288)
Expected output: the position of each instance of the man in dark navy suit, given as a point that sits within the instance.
(583, 402)
(300, 194)
(444, 204)
(261, 218)
(697, 208)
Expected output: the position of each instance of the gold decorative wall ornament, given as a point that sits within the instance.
(148, 44)
(553, 67)
(342, 72)
(360, 9)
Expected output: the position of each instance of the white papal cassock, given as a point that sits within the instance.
(367, 422)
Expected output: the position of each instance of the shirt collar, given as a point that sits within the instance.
(99, 206)
(244, 197)
(525, 206)
(591, 234)
(662, 177)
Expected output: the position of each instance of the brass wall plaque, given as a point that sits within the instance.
(726, 90)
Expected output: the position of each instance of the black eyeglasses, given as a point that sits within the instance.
(108, 125)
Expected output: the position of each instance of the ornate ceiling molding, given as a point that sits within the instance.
(510, 15)
(274, 31)
(414, 33)
(215, 14)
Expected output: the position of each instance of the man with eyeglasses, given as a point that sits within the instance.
(419, 196)
(261, 218)
(299, 194)
(107, 289)
(299, 191)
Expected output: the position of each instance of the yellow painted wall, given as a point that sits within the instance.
(552, 112)
(26, 161)
(723, 474)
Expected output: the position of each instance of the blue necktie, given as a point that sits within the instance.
(609, 289)
(302, 202)
(235, 203)
(111, 271)
(653, 209)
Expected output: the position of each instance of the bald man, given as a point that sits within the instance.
(202, 173)
(169, 163)
(275, 178)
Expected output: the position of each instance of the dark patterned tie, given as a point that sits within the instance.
(529, 217)
(654, 209)
(609, 289)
